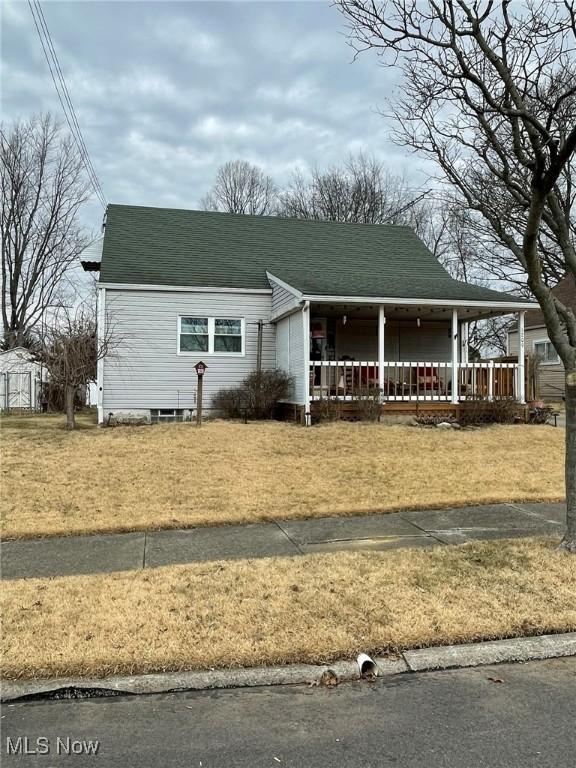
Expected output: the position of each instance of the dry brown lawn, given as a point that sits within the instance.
(170, 476)
(311, 609)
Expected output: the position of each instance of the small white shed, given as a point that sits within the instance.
(20, 377)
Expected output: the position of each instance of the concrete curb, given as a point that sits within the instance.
(422, 660)
(491, 652)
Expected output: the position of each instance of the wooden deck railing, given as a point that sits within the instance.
(418, 381)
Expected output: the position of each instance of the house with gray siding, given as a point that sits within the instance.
(348, 310)
(550, 376)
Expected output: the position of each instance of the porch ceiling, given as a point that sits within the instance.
(397, 312)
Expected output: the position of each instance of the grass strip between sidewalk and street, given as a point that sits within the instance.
(175, 476)
(315, 609)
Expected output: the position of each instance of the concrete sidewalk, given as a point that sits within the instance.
(104, 553)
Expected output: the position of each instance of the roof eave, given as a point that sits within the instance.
(179, 288)
(511, 306)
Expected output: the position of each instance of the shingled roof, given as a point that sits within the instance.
(565, 290)
(165, 246)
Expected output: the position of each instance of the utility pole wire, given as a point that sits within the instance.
(54, 67)
(406, 207)
(56, 62)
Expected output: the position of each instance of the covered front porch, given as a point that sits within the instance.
(410, 353)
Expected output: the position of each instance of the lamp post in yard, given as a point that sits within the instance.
(200, 371)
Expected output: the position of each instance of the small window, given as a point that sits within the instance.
(546, 352)
(193, 334)
(211, 335)
(227, 335)
(160, 415)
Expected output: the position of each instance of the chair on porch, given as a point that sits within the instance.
(427, 379)
(359, 377)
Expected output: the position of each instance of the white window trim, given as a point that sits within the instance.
(211, 325)
(546, 341)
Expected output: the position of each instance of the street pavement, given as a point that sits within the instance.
(63, 556)
(505, 716)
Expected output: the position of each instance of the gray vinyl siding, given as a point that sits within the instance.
(93, 251)
(429, 343)
(530, 336)
(289, 351)
(283, 344)
(551, 382)
(358, 339)
(145, 370)
(403, 341)
(551, 377)
(282, 300)
(298, 367)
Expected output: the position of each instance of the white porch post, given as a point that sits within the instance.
(306, 346)
(454, 355)
(381, 347)
(521, 357)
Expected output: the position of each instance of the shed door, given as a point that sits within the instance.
(19, 390)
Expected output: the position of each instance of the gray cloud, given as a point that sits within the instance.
(165, 92)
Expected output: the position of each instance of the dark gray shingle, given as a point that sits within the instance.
(165, 246)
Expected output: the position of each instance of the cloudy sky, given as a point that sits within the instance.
(165, 92)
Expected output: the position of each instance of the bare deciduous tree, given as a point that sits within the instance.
(492, 256)
(42, 186)
(489, 93)
(70, 349)
(241, 187)
(360, 191)
(488, 337)
(469, 258)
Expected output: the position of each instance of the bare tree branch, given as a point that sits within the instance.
(241, 187)
(360, 191)
(489, 93)
(42, 187)
(71, 348)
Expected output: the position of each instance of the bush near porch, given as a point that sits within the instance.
(176, 476)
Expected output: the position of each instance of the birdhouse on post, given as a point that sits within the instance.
(200, 369)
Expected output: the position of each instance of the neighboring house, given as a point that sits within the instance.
(344, 308)
(20, 377)
(550, 378)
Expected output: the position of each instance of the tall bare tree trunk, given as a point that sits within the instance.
(70, 397)
(569, 541)
(42, 188)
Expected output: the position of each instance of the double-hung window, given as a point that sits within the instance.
(227, 335)
(546, 352)
(211, 335)
(194, 334)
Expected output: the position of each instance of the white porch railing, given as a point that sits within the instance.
(491, 380)
(417, 381)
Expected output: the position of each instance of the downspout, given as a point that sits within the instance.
(259, 368)
(259, 348)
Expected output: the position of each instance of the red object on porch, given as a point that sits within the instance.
(369, 374)
(428, 377)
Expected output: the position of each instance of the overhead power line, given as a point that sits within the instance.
(78, 131)
(406, 207)
(64, 95)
